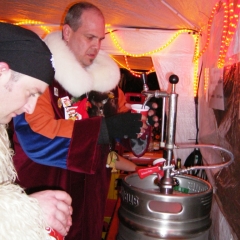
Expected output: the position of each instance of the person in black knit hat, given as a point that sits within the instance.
(26, 69)
(25, 52)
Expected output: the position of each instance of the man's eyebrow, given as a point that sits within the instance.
(92, 35)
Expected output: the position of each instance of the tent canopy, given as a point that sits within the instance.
(134, 14)
(151, 23)
(165, 14)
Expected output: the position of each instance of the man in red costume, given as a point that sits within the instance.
(62, 145)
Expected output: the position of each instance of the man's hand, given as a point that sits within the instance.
(151, 119)
(57, 210)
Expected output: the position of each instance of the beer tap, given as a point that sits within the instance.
(166, 183)
(144, 78)
(163, 167)
(150, 93)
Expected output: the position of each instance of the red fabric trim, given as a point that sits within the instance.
(82, 150)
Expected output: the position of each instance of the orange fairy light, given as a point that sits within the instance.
(233, 15)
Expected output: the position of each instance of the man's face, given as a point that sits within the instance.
(18, 96)
(86, 41)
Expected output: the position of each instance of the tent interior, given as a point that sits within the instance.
(198, 40)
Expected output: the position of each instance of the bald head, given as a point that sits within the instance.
(74, 15)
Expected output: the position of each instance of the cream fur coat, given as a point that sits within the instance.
(20, 216)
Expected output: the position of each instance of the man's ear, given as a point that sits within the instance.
(66, 30)
(3, 67)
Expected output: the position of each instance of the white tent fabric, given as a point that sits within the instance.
(176, 58)
(179, 60)
(168, 14)
(210, 133)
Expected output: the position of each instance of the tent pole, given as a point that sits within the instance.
(178, 14)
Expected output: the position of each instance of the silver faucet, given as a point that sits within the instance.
(166, 184)
(150, 93)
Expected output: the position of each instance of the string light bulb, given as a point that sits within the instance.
(197, 55)
(195, 71)
(135, 73)
(233, 17)
(149, 53)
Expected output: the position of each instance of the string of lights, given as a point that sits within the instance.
(149, 53)
(197, 55)
(195, 71)
(231, 17)
(230, 21)
(135, 73)
(224, 35)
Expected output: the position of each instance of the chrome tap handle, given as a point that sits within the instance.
(173, 79)
(144, 78)
(153, 93)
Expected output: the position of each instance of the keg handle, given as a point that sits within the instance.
(157, 168)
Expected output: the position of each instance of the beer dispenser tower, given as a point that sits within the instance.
(151, 207)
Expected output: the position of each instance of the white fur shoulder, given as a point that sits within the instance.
(103, 75)
(21, 216)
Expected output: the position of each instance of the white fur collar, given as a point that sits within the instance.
(103, 75)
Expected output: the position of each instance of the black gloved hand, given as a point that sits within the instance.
(124, 125)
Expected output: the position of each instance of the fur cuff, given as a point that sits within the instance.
(103, 75)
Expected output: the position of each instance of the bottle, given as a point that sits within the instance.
(178, 163)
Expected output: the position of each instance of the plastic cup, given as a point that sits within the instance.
(137, 108)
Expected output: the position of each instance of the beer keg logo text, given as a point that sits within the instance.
(129, 198)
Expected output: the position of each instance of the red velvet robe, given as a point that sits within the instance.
(65, 156)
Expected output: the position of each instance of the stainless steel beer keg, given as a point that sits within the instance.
(146, 214)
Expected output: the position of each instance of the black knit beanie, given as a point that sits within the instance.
(25, 52)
